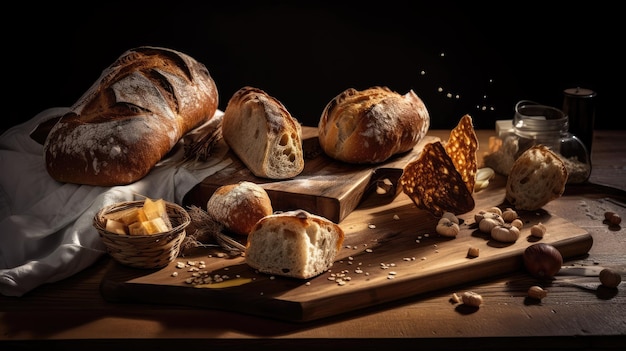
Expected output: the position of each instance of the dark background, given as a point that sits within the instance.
(484, 58)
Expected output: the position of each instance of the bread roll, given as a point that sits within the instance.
(294, 244)
(537, 177)
(263, 134)
(239, 206)
(371, 125)
(131, 117)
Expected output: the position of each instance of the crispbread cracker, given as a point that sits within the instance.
(434, 184)
(461, 147)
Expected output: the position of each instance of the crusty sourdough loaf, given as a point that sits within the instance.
(537, 177)
(371, 125)
(263, 134)
(294, 244)
(131, 117)
(239, 206)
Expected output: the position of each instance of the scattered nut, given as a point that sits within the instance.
(495, 210)
(538, 230)
(455, 298)
(610, 278)
(537, 292)
(509, 215)
(471, 298)
(446, 227)
(612, 217)
(505, 233)
(517, 223)
(451, 216)
(488, 223)
(473, 252)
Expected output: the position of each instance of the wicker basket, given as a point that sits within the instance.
(144, 251)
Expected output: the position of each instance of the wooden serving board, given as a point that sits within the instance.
(326, 187)
(390, 252)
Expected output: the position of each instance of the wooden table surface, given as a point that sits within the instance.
(71, 314)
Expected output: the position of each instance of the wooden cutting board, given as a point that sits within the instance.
(326, 187)
(390, 252)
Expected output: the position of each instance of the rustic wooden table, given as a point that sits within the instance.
(72, 314)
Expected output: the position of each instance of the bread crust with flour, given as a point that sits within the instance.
(131, 117)
(239, 206)
(371, 125)
(294, 244)
(263, 134)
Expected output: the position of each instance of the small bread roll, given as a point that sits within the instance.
(371, 125)
(537, 177)
(294, 244)
(239, 206)
(263, 134)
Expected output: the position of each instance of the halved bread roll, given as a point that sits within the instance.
(537, 177)
(294, 244)
(263, 134)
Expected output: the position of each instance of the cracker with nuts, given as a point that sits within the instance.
(442, 178)
(461, 147)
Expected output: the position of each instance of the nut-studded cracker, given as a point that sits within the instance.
(434, 184)
(461, 147)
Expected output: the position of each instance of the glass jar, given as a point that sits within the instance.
(535, 124)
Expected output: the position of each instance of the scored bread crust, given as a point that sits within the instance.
(371, 125)
(131, 117)
(294, 244)
(239, 206)
(263, 134)
(537, 177)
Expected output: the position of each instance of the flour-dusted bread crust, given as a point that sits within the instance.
(537, 177)
(239, 206)
(263, 134)
(294, 244)
(371, 125)
(130, 118)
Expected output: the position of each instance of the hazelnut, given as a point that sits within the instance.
(612, 217)
(610, 278)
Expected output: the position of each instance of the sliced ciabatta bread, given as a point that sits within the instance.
(537, 177)
(263, 134)
(294, 244)
(239, 206)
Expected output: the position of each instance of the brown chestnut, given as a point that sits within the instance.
(542, 260)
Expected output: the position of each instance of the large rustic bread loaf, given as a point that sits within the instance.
(537, 177)
(239, 206)
(131, 117)
(371, 125)
(294, 244)
(263, 134)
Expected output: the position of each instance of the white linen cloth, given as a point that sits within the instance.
(46, 227)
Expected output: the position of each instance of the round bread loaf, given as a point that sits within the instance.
(537, 177)
(371, 125)
(294, 244)
(130, 118)
(239, 206)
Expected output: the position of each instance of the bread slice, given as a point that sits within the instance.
(239, 206)
(263, 134)
(537, 177)
(294, 244)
